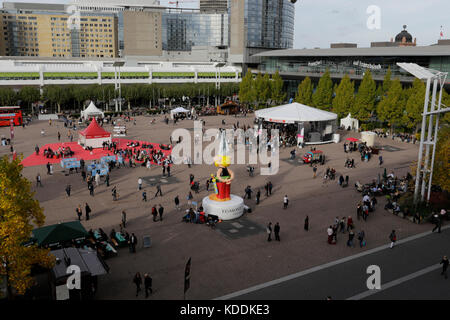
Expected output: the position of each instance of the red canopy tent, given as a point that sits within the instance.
(352, 139)
(93, 136)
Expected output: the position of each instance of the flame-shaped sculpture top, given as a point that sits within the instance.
(222, 159)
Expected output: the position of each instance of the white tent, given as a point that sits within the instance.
(350, 122)
(294, 112)
(92, 111)
(178, 110)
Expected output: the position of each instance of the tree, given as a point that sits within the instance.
(18, 212)
(446, 104)
(441, 170)
(305, 91)
(278, 95)
(323, 96)
(56, 95)
(246, 89)
(392, 106)
(8, 97)
(364, 104)
(412, 118)
(29, 95)
(387, 82)
(345, 97)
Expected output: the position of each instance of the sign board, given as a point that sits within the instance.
(70, 163)
(146, 242)
(187, 276)
(107, 159)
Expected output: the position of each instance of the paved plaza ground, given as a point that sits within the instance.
(236, 255)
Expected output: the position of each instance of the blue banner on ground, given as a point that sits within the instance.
(70, 163)
(107, 159)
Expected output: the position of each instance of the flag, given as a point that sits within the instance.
(442, 33)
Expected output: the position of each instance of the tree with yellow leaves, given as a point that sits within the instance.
(441, 171)
(20, 213)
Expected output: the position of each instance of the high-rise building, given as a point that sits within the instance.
(214, 5)
(260, 25)
(41, 30)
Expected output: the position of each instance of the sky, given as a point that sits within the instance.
(321, 22)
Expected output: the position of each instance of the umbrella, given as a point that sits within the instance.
(352, 139)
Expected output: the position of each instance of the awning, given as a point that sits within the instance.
(294, 112)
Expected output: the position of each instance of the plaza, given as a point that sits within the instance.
(235, 255)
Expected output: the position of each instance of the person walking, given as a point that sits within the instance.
(161, 212)
(393, 238)
(266, 187)
(114, 193)
(285, 202)
(133, 242)
(148, 284)
(314, 171)
(306, 226)
(330, 234)
(79, 212)
(138, 282)
(124, 219)
(38, 180)
(380, 159)
(361, 236)
(97, 179)
(349, 223)
(258, 196)
(444, 263)
(140, 183)
(144, 196)
(68, 189)
(276, 231)
(437, 223)
(270, 186)
(107, 179)
(269, 231)
(88, 211)
(177, 202)
(351, 236)
(158, 191)
(48, 168)
(154, 213)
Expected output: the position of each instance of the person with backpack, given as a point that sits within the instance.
(393, 238)
(351, 236)
(269, 231)
(361, 236)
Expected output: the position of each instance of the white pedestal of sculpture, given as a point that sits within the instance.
(225, 210)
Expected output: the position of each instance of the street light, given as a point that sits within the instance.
(438, 79)
(219, 65)
(117, 85)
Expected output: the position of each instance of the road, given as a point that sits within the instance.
(410, 270)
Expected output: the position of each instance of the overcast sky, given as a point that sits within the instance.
(321, 22)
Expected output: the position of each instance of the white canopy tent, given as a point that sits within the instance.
(178, 110)
(349, 122)
(92, 111)
(310, 124)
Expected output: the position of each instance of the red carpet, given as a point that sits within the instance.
(80, 153)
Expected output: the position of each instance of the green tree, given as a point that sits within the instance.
(392, 106)
(278, 95)
(29, 95)
(56, 95)
(246, 91)
(8, 97)
(345, 97)
(364, 104)
(387, 82)
(446, 103)
(323, 96)
(19, 211)
(441, 170)
(305, 92)
(412, 118)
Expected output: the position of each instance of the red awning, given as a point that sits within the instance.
(95, 131)
(352, 139)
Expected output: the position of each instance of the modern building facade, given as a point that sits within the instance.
(295, 65)
(260, 25)
(45, 31)
(214, 6)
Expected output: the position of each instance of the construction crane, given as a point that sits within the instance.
(182, 1)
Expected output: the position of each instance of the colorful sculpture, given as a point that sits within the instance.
(224, 176)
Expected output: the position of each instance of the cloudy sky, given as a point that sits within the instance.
(321, 22)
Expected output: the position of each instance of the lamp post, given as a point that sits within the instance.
(218, 65)
(117, 83)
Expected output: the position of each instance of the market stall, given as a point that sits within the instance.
(93, 136)
(91, 112)
(178, 111)
(299, 124)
